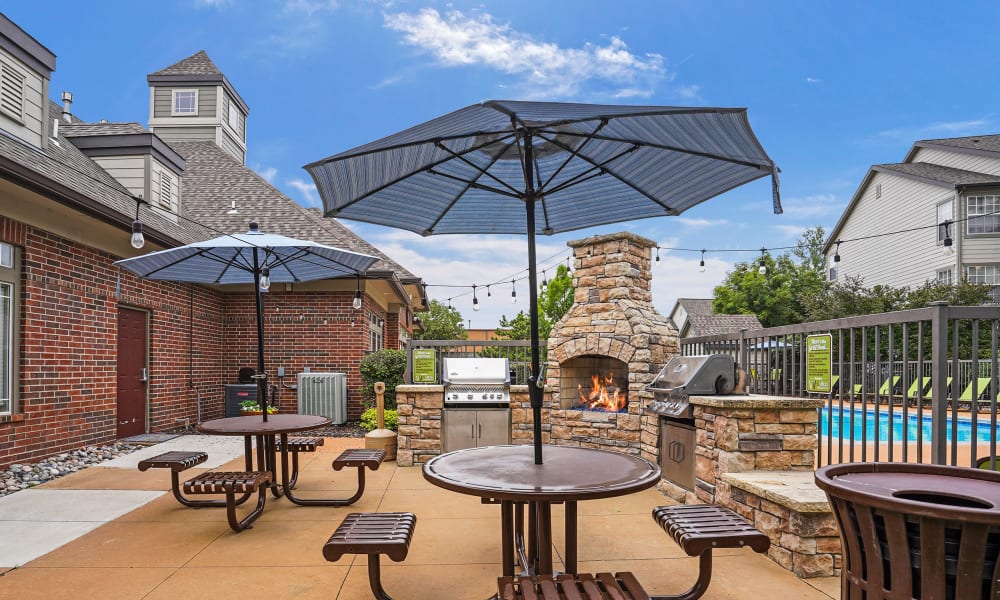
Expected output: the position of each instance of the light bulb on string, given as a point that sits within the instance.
(545, 282)
(513, 292)
(488, 294)
(475, 300)
(138, 240)
(657, 254)
(357, 296)
(948, 248)
(701, 265)
(836, 253)
(265, 279)
(762, 269)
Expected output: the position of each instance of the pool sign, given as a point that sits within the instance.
(424, 365)
(819, 363)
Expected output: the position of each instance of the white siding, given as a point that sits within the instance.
(958, 160)
(231, 146)
(130, 171)
(162, 99)
(30, 128)
(902, 259)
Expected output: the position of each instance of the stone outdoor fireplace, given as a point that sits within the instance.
(607, 348)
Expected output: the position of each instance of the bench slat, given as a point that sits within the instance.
(359, 457)
(584, 586)
(701, 527)
(221, 482)
(372, 533)
(176, 461)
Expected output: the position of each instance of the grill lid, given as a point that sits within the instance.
(683, 376)
(475, 371)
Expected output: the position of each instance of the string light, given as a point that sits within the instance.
(475, 301)
(948, 249)
(657, 254)
(488, 294)
(545, 282)
(357, 297)
(138, 240)
(265, 279)
(701, 265)
(513, 292)
(762, 269)
(836, 254)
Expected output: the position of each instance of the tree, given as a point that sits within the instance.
(775, 296)
(441, 323)
(387, 366)
(851, 297)
(554, 301)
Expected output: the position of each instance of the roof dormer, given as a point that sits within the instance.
(193, 101)
(25, 69)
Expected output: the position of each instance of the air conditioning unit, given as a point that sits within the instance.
(323, 394)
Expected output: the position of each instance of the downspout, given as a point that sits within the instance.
(197, 393)
(959, 239)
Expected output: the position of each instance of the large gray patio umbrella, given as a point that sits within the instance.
(246, 258)
(522, 167)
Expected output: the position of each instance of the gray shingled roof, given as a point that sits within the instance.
(989, 143)
(934, 172)
(197, 64)
(213, 179)
(696, 306)
(64, 165)
(71, 130)
(699, 325)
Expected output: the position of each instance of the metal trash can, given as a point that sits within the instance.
(916, 531)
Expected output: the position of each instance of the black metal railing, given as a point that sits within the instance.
(909, 386)
(517, 353)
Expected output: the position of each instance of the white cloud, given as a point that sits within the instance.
(679, 276)
(689, 92)
(689, 222)
(813, 80)
(213, 3)
(817, 205)
(268, 173)
(544, 69)
(942, 128)
(308, 192)
(309, 7)
(792, 232)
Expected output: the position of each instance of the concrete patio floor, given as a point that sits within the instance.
(164, 550)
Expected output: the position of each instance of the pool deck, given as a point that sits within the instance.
(136, 541)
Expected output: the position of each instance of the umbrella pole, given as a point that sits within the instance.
(535, 392)
(261, 376)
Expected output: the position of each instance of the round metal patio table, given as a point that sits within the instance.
(264, 431)
(509, 476)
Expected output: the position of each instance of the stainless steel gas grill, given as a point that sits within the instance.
(476, 403)
(680, 378)
(476, 381)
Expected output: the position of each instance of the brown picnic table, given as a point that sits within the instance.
(509, 476)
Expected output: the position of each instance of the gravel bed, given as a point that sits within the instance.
(21, 476)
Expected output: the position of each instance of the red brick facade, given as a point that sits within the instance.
(198, 340)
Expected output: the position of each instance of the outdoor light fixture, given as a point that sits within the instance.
(657, 254)
(948, 242)
(475, 301)
(265, 279)
(762, 269)
(488, 294)
(545, 282)
(357, 297)
(138, 240)
(701, 264)
(836, 253)
(513, 292)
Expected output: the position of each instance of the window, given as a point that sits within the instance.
(985, 274)
(945, 212)
(234, 117)
(185, 102)
(375, 336)
(833, 273)
(11, 92)
(984, 214)
(878, 190)
(9, 293)
(166, 189)
(944, 277)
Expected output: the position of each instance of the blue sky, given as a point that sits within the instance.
(831, 88)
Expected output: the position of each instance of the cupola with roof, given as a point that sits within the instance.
(192, 100)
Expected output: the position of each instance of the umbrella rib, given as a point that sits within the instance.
(300, 252)
(746, 163)
(389, 184)
(668, 111)
(595, 170)
(471, 183)
(482, 171)
(572, 154)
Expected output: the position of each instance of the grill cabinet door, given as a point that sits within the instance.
(459, 429)
(493, 427)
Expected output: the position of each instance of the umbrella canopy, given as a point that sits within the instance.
(522, 167)
(247, 258)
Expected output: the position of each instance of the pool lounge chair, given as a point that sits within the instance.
(888, 388)
(982, 385)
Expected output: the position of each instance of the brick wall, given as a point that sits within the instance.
(199, 338)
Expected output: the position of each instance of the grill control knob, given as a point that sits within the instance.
(485, 396)
(469, 396)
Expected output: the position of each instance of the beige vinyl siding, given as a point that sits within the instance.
(29, 127)
(230, 146)
(981, 248)
(130, 171)
(162, 99)
(958, 160)
(902, 259)
(185, 134)
(158, 173)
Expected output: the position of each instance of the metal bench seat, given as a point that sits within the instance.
(373, 534)
(296, 445)
(178, 461)
(231, 483)
(584, 586)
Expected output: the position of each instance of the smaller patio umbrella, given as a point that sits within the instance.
(247, 258)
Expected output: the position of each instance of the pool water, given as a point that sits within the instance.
(866, 420)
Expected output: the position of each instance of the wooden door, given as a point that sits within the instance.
(132, 374)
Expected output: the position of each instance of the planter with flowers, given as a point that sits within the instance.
(250, 407)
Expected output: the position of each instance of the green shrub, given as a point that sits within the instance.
(369, 419)
(387, 366)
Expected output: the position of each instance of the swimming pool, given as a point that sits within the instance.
(866, 426)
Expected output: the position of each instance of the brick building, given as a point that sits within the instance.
(76, 334)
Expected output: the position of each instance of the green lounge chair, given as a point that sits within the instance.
(982, 385)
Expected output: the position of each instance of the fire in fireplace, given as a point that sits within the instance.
(595, 383)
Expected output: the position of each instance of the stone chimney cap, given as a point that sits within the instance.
(612, 237)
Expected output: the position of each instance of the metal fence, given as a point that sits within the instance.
(910, 386)
(517, 353)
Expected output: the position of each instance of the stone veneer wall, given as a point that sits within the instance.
(612, 315)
